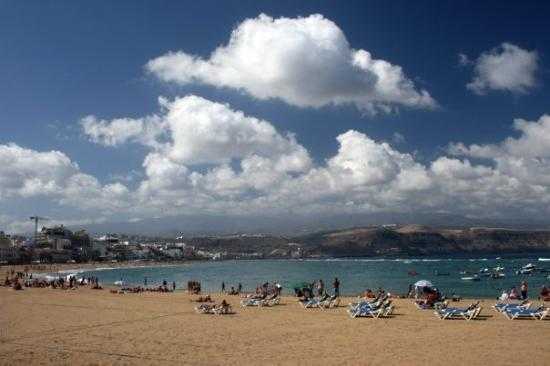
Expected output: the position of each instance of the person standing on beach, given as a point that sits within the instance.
(223, 287)
(524, 290)
(240, 288)
(174, 286)
(320, 288)
(336, 285)
(145, 281)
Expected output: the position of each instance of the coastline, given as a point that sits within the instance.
(88, 266)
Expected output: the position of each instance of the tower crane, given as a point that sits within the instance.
(36, 219)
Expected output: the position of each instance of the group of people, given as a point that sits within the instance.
(232, 290)
(317, 288)
(514, 294)
(19, 280)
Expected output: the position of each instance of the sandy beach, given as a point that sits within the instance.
(95, 327)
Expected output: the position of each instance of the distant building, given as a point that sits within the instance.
(5, 240)
(8, 252)
(57, 237)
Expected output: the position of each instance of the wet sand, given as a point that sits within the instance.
(95, 327)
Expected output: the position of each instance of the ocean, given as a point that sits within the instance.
(355, 274)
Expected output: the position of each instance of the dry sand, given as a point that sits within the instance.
(91, 327)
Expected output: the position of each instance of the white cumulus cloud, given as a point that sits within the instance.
(505, 68)
(305, 61)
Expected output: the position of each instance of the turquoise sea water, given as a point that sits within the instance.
(354, 274)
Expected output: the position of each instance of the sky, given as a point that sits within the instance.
(128, 111)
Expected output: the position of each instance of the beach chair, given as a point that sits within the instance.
(204, 309)
(372, 304)
(502, 307)
(538, 313)
(251, 302)
(271, 302)
(223, 310)
(471, 312)
(367, 311)
(331, 302)
(458, 313)
(315, 302)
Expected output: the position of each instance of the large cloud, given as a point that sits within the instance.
(253, 169)
(29, 174)
(526, 157)
(219, 160)
(506, 68)
(305, 62)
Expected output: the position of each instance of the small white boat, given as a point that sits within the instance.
(544, 259)
(498, 269)
(471, 278)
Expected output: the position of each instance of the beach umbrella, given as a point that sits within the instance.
(423, 283)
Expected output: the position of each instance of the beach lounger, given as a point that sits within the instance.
(502, 307)
(315, 302)
(271, 302)
(331, 302)
(223, 310)
(260, 302)
(539, 313)
(367, 311)
(458, 313)
(205, 309)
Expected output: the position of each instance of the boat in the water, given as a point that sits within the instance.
(484, 272)
(544, 259)
(498, 275)
(527, 269)
(471, 278)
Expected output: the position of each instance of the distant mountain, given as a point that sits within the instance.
(293, 224)
(404, 240)
(416, 240)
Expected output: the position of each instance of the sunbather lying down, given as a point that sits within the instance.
(206, 298)
(469, 313)
(221, 309)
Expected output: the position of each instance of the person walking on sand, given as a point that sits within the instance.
(240, 288)
(336, 285)
(523, 290)
(174, 286)
(223, 287)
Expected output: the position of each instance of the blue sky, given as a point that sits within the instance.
(62, 61)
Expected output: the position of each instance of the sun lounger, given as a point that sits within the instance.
(261, 302)
(539, 313)
(223, 310)
(331, 302)
(205, 309)
(214, 309)
(502, 307)
(458, 313)
(366, 311)
(315, 302)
